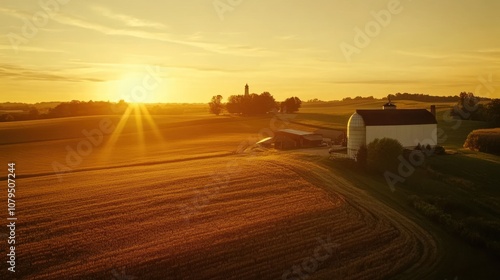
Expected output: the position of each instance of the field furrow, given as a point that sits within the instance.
(180, 221)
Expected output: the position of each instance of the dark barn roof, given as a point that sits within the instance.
(397, 117)
(329, 133)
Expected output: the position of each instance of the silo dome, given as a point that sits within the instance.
(356, 134)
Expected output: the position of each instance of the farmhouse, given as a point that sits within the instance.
(293, 139)
(409, 126)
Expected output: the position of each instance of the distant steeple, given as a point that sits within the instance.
(247, 90)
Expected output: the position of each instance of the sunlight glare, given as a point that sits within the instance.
(142, 117)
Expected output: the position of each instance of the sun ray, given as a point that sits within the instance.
(139, 126)
(116, 133)
(142, 116)
(151, 122)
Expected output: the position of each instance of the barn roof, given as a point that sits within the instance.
(397, 117)
(295, 132)
(313, 137)
(266, 140)
(329, 133)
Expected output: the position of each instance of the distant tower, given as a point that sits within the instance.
(247, 90)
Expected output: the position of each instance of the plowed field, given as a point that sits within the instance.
(200, 220)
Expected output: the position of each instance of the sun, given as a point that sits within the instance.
(139, 85)
(131, 90)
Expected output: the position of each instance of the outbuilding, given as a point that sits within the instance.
(294, 139)
(409, 126)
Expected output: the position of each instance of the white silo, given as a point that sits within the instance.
(356, 134)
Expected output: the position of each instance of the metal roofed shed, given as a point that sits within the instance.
(293, 139)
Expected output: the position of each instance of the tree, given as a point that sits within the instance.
(314, 100)
(265, 101)
(290, 105)
(215, 105)
(462, 98)
(383, 154)
(468, 107)
(7, 118)
(234, 104)
(252, 104)
(493, 112)
(33, 113)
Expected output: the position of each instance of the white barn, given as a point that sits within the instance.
(409, 126)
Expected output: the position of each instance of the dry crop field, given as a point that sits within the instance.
(176, 202)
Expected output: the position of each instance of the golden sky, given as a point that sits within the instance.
(188, 51)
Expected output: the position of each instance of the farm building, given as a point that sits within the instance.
(293, 139)
(331, 135)
(409, 126)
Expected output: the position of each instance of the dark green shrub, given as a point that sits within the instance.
(383, 154)
(362, 156)
(439, 150)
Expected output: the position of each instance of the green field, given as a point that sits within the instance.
(182, 197)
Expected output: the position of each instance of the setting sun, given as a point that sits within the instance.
(140, 84)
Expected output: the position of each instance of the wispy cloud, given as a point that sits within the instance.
(14, 13)
(490, 55)
(489, 51)
(160, 36)
(83, 23)
(201, 68)
(10, 71)
(30, 49)
(374, 82)
(128, 20)
(286, 37)
(422, 54)
(196, 36)
(457, 56)
(207, 69)
(131, 26)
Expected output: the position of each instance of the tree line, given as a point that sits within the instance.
(423, 97)
(253, 104)
(73, 108)
(469, 107)
(400, 96)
